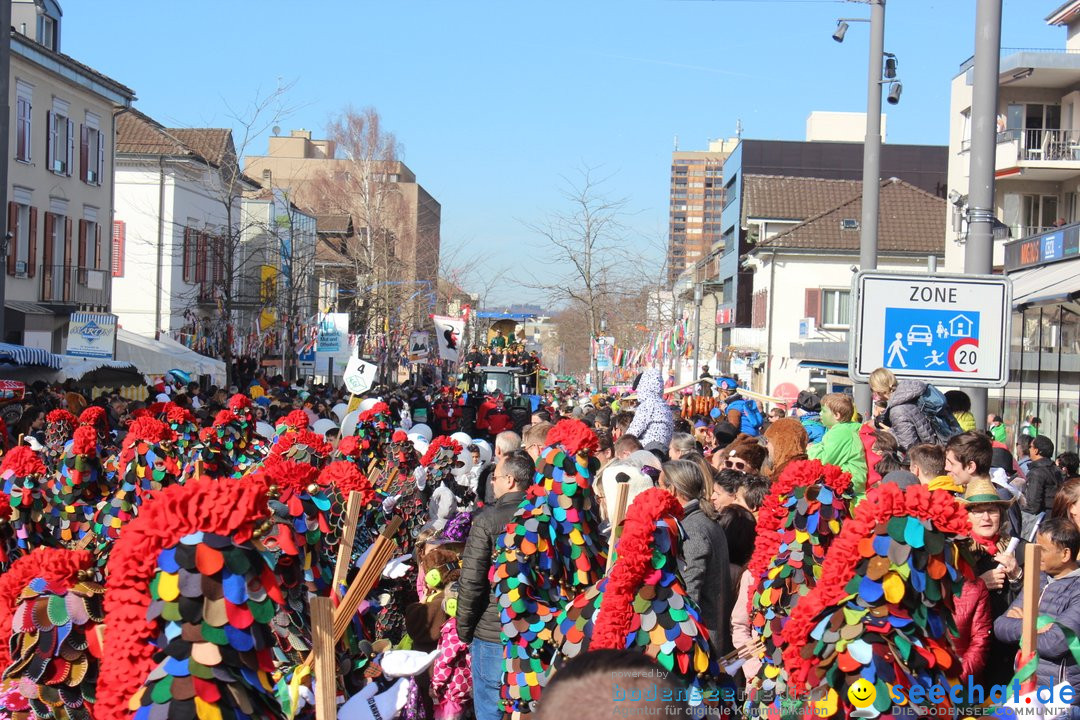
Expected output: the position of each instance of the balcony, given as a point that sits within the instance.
(75, 286)
(1050, 155)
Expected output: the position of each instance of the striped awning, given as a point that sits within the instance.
(22, 355)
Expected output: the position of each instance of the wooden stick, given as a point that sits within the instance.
(84, 543)
(348, 536)
(374, 477)
(322, 629)
(198, 468)
(1029, 634)
(621, 490)
(390, 477)
(364, 581)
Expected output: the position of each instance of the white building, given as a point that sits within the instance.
(801, 307)
(175, 210)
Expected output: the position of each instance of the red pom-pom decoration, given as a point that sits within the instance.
(239, 402)
(23, 462)
(149, 430)
(574, 436)
(93, 415)
(296, 419)
(347, 478)
(85, 442)
(443, 441)
(61, 417)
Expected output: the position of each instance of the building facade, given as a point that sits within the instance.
(177, 208)
(697, 197)
(297, 163)
(920, 165)
(60, 182)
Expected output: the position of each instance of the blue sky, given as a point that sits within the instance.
(495, 101)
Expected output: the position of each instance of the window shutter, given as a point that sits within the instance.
(813, 305)
(50, 228)
(187, 255)
(70, 149)
(82, 243)
(759, 309)
(13, 233)
(100, 157)
(68, 275)
(97, 246)
(118, 232)
(84, 153)
(50, 140)
(200, 258)
(31, 256)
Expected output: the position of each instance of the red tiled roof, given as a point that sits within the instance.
(910, 220)
(214, 144)
(779, 197)
(139, 135)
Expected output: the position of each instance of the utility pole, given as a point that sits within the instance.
(699, 293)
(5, 122)
(979, 251)
(871, 180)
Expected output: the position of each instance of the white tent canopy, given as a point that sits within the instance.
(157, 357)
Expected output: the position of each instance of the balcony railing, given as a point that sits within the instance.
(1052, 145)
(72, 285)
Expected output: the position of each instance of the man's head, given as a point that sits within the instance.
(1069, 462)
(505, 443)
(968, 455)
(514, 473)
(586, 687)
(535, 439)
(1059, 539)
(836, 408)
(1042, 447)
(1036, 421)
(927, 462)
(1023, 445)
(626, 446)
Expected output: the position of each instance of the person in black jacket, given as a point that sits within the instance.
(1043, 481)
(478, 622)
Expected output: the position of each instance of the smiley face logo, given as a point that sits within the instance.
(862, 693)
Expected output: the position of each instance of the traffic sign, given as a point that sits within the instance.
(953, 329)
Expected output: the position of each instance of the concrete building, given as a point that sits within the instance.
(923, 166)
(697, 197)
(1035, 199)
(176, 207)
(60, 181)
(826, 126)
(294, 162)
(808, 266)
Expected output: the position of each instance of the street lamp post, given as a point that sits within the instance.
(599, 345)
(699, 292)
(868, 230)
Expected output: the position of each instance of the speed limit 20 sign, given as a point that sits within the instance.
(952, 329)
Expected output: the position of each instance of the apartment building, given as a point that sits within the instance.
(697, 197)
(296, 162)
(60, 181)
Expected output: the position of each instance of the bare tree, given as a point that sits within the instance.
(586, 247)
(222, 268)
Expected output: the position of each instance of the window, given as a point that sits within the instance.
(190, 254)
(22, 225)
(61, 146)
(91, 151)
(89, 244)
(829, 307)
(23, 121)
(47, 32)
(729, 291)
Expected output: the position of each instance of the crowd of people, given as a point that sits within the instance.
(602, 535)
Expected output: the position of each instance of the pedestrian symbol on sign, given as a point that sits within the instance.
(896, 352)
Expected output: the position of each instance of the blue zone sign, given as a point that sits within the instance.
(947, 329)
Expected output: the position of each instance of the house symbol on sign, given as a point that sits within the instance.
(960, 326)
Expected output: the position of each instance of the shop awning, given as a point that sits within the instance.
(158, 357)
(821, 365)
(22, 355)
(1047, 284)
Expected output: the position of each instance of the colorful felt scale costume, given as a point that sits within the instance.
(51, 608)
(642, 603)
(188, 607)
(148, 461)
(547, 556)
(883, 610)
(26, 483)
(59, 425)
(799, 519)
(78, 488)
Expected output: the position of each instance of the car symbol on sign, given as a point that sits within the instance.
(920, 334)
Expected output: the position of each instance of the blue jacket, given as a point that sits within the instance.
(811, 423)
(1060, 599)
(745, 426)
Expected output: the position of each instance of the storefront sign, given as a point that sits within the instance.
(1061, 244)
(91, 335)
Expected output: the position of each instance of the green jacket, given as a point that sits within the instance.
(842, 447)
(1000, 432)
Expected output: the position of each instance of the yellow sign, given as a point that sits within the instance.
(268, 275)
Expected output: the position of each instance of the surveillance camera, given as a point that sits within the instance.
(854, 268)
(890, 66)
(841, 30)
(894, 93)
